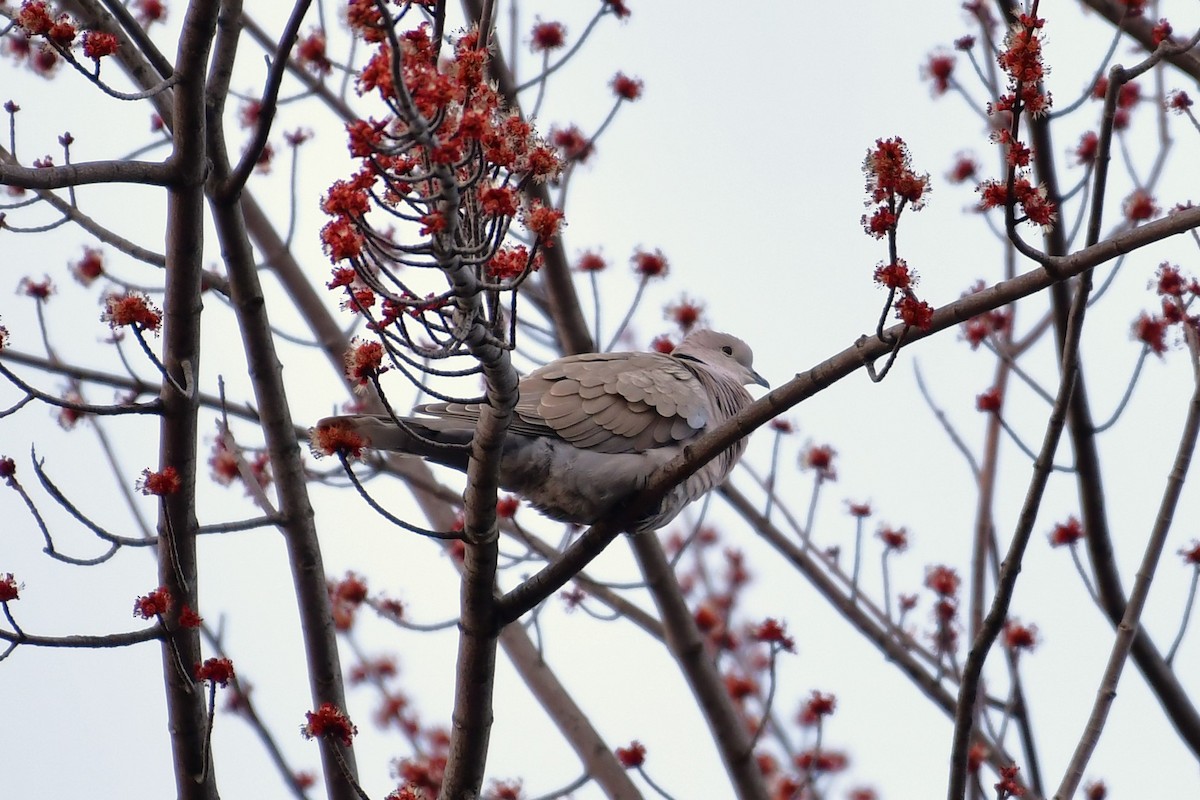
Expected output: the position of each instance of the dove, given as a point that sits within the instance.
(589, 430)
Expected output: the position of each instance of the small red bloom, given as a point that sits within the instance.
(506, 507)
(685, 313)
(649, 265)
(215, 670)
(632, 756)
(149, 11)
(364, 360)
(189, 618)
(90, 267)
(1085, 151)
(989, 402)
(543, 222)
(817, 707)
(591, 262)
(1160, 32)
(1096, 790)
(1066, 533)
(1178, 101)
(548, 36)
(310, 51)
(498, 201)
(964, 169)
(894, 539)
(98, 44)
(510, 263)
(1139, 206)
(9, 588)
(1008, 785)
(860, 510)
(976, 756)
(1152, 332)
(781, 426)
(8, 470)
(895, 276)
(38, 290)
(131, 309)
(1170, 281)
(333, 438)
(820, 458)
(154, 604)
(939, 68)
(822, 761)
(914, 313)
(159, 483)
(771, 631)
(625, 87)
(1191, 553)
(1020, 637)
(618, 8)
(662, 344)
(943, 580)
(329, 720)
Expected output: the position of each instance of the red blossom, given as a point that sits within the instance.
(154, 604)
(943, 580)
(662, 344)
(860, 510)
(963, 170)
(573, 144)
(189, 618)
(1191, 554)
(771, 631)
(1066, 533)
(816, 708)
(8, 470)
(914, 313)
(506, 507)
(939, 68)
(216, 671)
(547, 36)
(1020, 637)
(38, 290)
(149, 11)
(826, 761)
(89, 267)
(990, 401)
(781, 426)
(1170, 281)
(617, 7)
(626, 88)
(1152, 332)
(894, 539)
(337, 438)
(98, 44)
(976, 756)
(364, 360)
(329, 721)
(1095, 790)
(1160, 32)
(632, 756)
(895, 276)
(510, 263)
(310, 51)
(498, 201)
(1008, 785)
(1179, 101)
(591, 262)
(543, 222)
(131, 309)
(649, 265)
(820, 458)
(1139, 206)
(159, 483)
(685, 313)
(9, 588)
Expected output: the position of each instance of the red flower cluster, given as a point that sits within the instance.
(1066, 533)
(159, 483)
(154, 604)
(131, 309)
(329, 721)
(632, 756)
(9, 588)
(216, 671)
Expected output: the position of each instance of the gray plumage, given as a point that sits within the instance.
(589, 430)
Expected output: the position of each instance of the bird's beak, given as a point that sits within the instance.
(760, 380)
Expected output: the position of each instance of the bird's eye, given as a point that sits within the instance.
(727, 350)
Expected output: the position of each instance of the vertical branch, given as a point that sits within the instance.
(181, 358)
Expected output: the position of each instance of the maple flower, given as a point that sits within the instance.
(154, 604)
(159, 483)
(3, 337)
(632, 756)
(132, 309)
(310, 51)
(649, 265)
(888, 168)
(215, 670)
(98, 44)
(943, 580)
(820, 458)
(1170, 281)
(894, 539)
(895, 276)
(1008, 786)
(573, 144)
(822, 761)
(939, 68)
(8, 470)
(34, 18)
(914, 313)
(498, 201)
(1139, 206)
(859, 510)
(336, 438)
(976, 756)
(989, 402)
(149, 11)
(1066, 533)
(618, 8)
(1020, 637)
(543, 222)
(1179, 101)
(591, 262)
(9, 588)
(818, 706)
(547, 36)
(686, 313)
(329, 720)
(90, 267)
(506, 507)
(626, 88)
(782, 426)
(662, 344)
(963, 170)
(1152, 332)
(38, 290)
(1089, 145)
(1095, 790)
(771, 631)
(364, 360)
(1161, 32)
(1191, 554)
(188, 618)
(510, 263)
